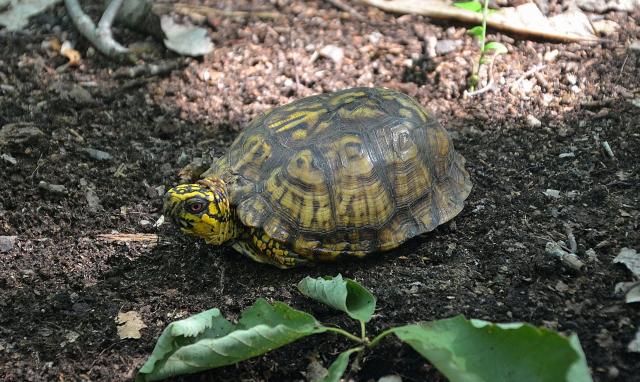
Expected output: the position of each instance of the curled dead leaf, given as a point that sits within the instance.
(129, 324)
(71, 54)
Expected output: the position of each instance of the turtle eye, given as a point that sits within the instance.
(196, 207)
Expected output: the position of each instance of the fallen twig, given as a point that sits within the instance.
(100, 36)
(347, 8)
(506, 19)
(209, 12)
(607, 149)
(128, 237)
(571, 239)
(567, 259)
(526, 74)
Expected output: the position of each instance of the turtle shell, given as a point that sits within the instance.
(345, 173)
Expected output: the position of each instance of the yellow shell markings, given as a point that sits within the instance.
(302, 117)
(300, 189)
(368, 110)
(345, 98)
(361, 198)
(402, 227)
(256, 151)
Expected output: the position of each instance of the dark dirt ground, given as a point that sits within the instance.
(61, 287)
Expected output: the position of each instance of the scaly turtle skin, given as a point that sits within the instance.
(341, 174)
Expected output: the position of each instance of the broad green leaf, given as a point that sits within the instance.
(473, 6)
(342, 294)
(207, 340)
(476, 31)
(480, 351)
(337, 368)
(496, 46)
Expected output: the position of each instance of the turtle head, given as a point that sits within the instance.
(201, 209)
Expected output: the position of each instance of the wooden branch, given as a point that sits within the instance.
(209, 12)
(347, 8)
(507, 19)
(101, 36)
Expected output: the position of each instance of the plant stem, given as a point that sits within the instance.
(379, 337)
(363, 332)
(476, 69)
(346, 334)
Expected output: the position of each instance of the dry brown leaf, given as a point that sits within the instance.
(129, 324)
(526, 19)
(71, 54)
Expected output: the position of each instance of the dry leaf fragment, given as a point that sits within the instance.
(630, 258)
(129, 324)
(73, 55)
(634, 346)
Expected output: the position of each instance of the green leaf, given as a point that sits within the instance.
(476, 31)
(473, 6)
(480, 351)
(496, 46)
(337, 368)
(342, 294)
(207, 340)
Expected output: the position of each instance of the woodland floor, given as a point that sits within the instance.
(61, 287)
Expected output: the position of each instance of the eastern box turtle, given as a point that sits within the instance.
(340, 174)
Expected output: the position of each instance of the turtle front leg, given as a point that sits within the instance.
(261, 248)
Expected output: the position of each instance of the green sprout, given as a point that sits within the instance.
(480, 32)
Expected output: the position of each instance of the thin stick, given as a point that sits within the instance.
(109, 14)
(483, 90)
(436, 10)
(567, 259)
(571, 239)
(208, 11)
(102, 39)
(347, 8)
(529, 72)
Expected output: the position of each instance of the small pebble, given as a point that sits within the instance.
(447, 46)
(9, 158)
(526, 85)
(374, 37)
(533, 121)
(551, 56)
(333, 52)
(7, 243)
(183, 159)
(52, 188)
(98, 154)
(635, 46)
(567, 155)
(605, 27)
(552, 193)
(390, 378)
(145, 223)
(81, 95)
(92, 199)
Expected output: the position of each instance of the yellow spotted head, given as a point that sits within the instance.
(201, 209)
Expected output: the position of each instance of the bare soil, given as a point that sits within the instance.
(61, 287)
